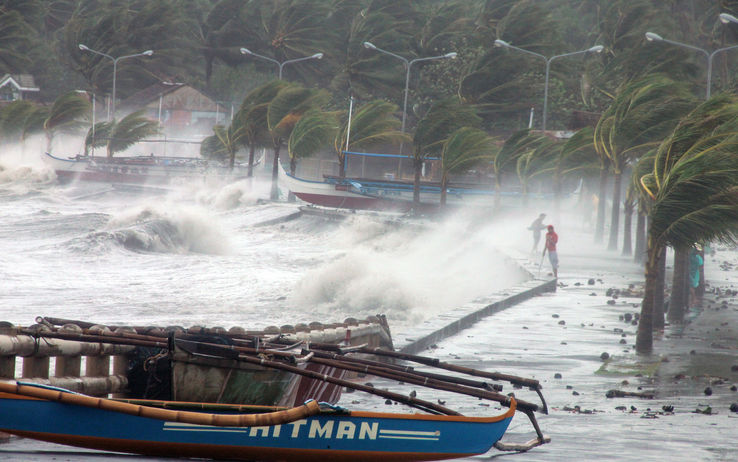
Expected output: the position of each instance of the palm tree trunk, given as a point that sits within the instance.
(418, 164)
(600, 227)
(252, 151)
(498, 198)
(231, 159)
(444, 183)
(640, 246)
(657, 321)
(615, 216)
(627, 225)
(274, 194)
(342, 166)
(293, 171)
(679, 288)
(644, 337)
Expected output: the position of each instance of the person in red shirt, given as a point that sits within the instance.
(551, 240)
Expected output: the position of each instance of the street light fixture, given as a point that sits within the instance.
(115, 65)
(246, 51)
(594, 49)
(408, 64)
(724, 18)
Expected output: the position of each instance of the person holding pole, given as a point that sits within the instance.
(551, 240)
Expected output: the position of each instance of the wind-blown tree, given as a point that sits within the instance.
(372, 124)
(98, 136)
(12, 119)
(252, 115)
(464, 148)
(442, 119)
(313, 132)
(130, 130)
(14, 34)
(69, 114)
(283, 113)
(577, 162)
(504, 163)
(365, 73)
(643, 112)
(540, 160)
(693, 192)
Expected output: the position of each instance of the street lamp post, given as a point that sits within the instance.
(246, 51)
(115, 64)
(594, 49)
(725, 18)
(408, 64)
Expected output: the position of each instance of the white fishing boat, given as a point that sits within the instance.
(138, 169)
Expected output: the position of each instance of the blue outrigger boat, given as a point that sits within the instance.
(313, 431)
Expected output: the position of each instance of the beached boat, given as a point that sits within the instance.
(394, 196)
(148, 364)
(155, 170)
(308, 432)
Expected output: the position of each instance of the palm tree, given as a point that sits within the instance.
(12, 119)
(98, 135)
(372, 124)
(540, 160)
(130, 130)
(283, 113)
(252, 115)
(506, 160)
(643, 112)
(693, 192)
(443, 118)
(68, 114)
(577, 161)
(465, 148)
(312, 132)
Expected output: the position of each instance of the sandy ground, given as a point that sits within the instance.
(559, 339)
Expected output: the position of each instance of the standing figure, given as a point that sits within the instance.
(551, 240)
(537, 226)
(695, 263)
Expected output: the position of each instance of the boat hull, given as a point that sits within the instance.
(326, 436)
(136, 170)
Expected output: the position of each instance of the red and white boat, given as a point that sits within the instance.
(139, 169)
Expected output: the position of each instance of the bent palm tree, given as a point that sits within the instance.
(130, 130)
(68, 114)
(465, 148)
(312, 132)
(443, 118)
(693, 192)
(373, 123)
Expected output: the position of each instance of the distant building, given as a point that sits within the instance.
(16, 87)
(182, 110)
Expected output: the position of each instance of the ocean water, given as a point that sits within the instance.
(199, 254)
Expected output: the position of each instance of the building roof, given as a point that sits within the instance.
(188, 96)
(23, 82)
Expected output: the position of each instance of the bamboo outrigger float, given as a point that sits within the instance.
(300, 431)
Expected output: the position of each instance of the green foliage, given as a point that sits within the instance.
(442, 119)
(372, 124)
(130, 130)
(313, 132)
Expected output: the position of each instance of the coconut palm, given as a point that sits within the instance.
(505, 161)
(443, 118)
(130, 130)
(372, 124)
(283, 113)
(464, 148)
(98, 136)
(540, 160)
(253, 116)
(693, 192)
(577, 161)
(12, 119)
(313, 132)
(69, 113)
(643, 112)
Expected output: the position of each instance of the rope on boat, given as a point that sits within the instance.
(196, 418)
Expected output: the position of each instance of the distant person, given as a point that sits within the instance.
(551, 240)
(695, 263)
(537, 226)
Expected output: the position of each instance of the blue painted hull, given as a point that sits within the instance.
(326, 436)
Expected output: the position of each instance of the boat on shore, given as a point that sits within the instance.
(142, 170)
(395, 196)
(148, 364)
(307, 431)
